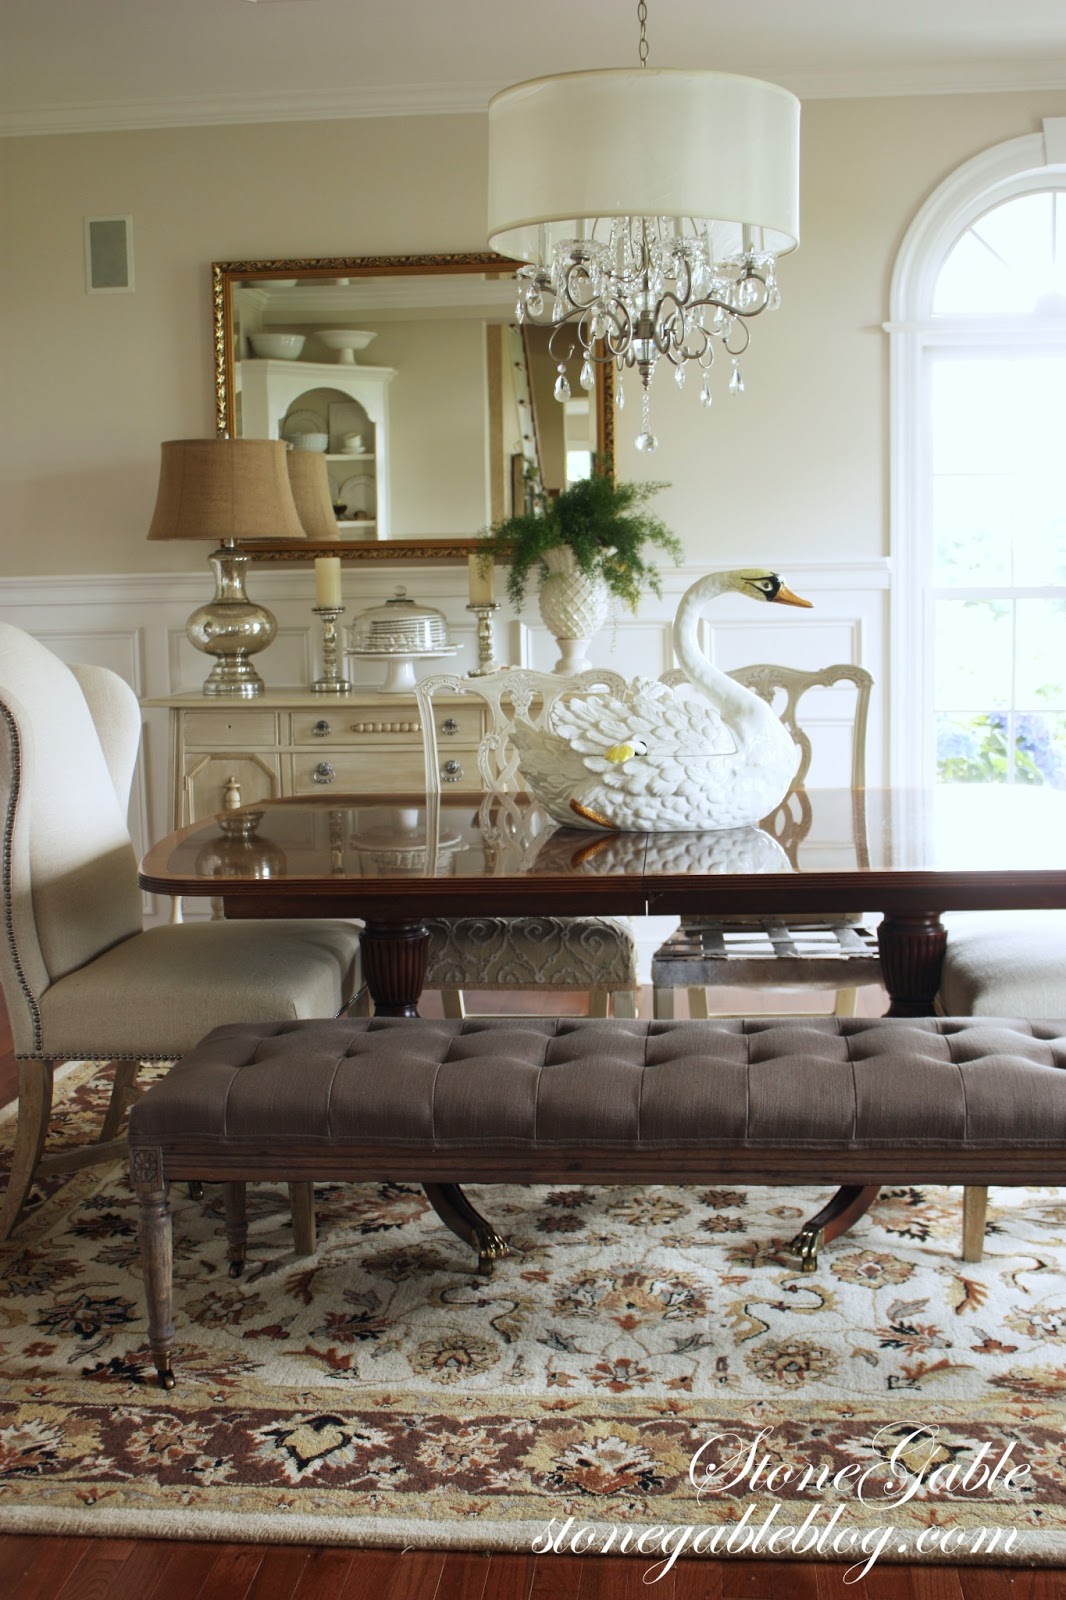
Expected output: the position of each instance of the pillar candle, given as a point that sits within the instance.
(328, 582)
(481, 581)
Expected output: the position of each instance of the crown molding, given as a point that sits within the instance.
(472, 98)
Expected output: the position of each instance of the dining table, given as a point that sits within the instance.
(906, 856)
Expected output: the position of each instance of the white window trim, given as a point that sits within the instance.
(1034, 161)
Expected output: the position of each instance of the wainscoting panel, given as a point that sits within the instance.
(135, 624)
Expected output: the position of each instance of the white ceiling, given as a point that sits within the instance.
(70, 65)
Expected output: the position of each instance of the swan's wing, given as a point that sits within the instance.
(668, 720)
(553, 770)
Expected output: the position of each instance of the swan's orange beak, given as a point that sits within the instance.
(785, 597)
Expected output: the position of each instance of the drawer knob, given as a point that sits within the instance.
(323, 773)
(451, 771)
(449, 726)
(321, 729)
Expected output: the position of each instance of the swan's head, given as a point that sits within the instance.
(759, 584)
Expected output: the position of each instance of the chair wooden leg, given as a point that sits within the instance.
(304, 1232)
(697, 1003)
(124, 1092)
(599, 1003)
(974, 1212)
(625, 1002)
(453, 1004)
(34, 1110)
(662, 1004)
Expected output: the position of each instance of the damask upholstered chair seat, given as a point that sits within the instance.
(597, 955)
(82, 978)
(576, 953)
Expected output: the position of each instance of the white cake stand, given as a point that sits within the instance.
(400, 672)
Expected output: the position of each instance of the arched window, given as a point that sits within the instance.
(979, 473)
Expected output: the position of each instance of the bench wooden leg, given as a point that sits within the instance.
(235, 1208)
(974, 1213)
(157, 1257)
(456, 1213)
(848, 1204)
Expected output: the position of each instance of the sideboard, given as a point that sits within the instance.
(293, 742)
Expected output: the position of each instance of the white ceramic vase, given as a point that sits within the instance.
(573, 606)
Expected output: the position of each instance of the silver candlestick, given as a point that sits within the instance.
(485, 657)
(331, 681)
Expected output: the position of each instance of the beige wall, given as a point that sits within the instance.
(94, 382)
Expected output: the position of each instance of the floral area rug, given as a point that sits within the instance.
(646, 1359)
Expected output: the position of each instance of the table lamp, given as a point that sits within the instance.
(225, 490)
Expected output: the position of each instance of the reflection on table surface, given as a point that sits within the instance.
(965, 829)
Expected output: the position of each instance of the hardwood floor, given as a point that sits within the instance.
(41, 1568)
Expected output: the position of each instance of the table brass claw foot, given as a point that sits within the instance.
(850, 1202)
(236, 1267)
(807, 1244)
(164, 1372)
(490, 1248)
(467, 1223)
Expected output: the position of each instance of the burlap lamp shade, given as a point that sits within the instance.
(224, 489)
(309, 481)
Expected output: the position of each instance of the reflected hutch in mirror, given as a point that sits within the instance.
(434, 408)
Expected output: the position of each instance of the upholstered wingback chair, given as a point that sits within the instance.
(82, 978)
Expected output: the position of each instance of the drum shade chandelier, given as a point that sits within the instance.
(650, 207)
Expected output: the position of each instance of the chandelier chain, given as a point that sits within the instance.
(642, 18)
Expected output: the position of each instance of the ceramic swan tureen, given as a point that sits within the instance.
(705, 753)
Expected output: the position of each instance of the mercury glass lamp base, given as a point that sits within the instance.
(234, 676)
(231, 627)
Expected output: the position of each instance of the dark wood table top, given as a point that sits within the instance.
(901, 852)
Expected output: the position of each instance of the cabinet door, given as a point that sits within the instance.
(217, 781)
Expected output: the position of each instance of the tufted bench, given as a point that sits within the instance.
(542, 1100)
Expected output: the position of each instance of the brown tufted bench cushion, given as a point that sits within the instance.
(526, 1100)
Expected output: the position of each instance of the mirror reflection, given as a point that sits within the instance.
(434, 409)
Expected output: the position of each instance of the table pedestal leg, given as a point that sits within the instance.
(456, 1212)
(912, 953)
(394, 965)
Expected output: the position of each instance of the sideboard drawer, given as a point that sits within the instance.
(347, 771)
(355, 724)
(225, 729)
(350, 772)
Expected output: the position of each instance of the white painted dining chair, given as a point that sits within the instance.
(838, 954)
(592, 955)
(81, 976)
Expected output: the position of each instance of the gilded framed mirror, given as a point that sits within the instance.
(433, 406)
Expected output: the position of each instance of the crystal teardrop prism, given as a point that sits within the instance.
(679, 377)
(706, 397)
(562, 387)
(736, 382)
(588, 375)
(620, 399)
